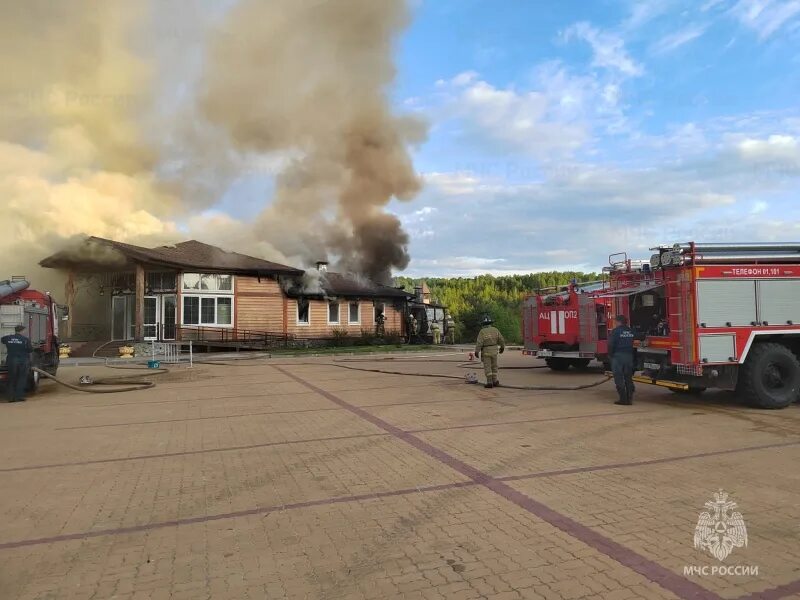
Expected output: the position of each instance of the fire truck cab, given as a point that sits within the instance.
(732, 320)
(38, 312)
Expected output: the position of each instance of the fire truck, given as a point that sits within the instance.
(721, 316)
(39, 313)
(568, 327)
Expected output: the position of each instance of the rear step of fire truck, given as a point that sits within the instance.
(672, 385)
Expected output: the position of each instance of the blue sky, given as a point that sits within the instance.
(563, 131)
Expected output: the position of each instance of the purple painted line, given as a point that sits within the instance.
(782, 591)
(190, 452)
(649, 569)
(608, 414)
(231, 515)
(268, 412)
(643, 463)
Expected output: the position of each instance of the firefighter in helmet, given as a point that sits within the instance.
(620, 349)
(450, 329)
(18, 362)
(380, 324)
(437, 332)
(490, 342)
(413, 328)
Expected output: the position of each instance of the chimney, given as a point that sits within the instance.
(322, 266)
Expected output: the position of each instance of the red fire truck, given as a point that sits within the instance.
(707, 316)
(39, 314)
(568, 327)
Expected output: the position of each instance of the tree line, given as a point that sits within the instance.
(468, 299)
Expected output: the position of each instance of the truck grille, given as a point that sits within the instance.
(694, 370)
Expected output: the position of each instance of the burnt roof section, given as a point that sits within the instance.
(338, 285)
(184, 256)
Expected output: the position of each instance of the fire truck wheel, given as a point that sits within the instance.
(770, 377)
(557, 364)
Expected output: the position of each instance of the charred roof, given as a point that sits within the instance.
(99, 254)
(339, 285)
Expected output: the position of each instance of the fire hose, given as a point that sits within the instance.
(129, 384)
(469, 364)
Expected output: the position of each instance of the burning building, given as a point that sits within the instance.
(194, 291)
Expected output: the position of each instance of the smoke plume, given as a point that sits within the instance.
(97, 138)
(311, 77)
(74, 159)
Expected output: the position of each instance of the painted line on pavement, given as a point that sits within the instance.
(649, 569)
(231, 515)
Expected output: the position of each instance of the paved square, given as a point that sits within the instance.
(305, 478)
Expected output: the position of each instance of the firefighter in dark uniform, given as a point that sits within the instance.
(18, 362)
(620, 349)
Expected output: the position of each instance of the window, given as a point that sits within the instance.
(333, 313)
(303, 312)
(224, 311)
(212, 282)
(208, 310)
(355, 313)
(207, 299)
(161, 282)
(191, 310)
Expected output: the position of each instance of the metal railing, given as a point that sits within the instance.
(170, 352)
(230, 336)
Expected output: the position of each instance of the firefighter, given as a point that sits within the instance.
(18, 363)
(450, 330)
(620, 349)
(413, 328)
(380, 324)
(490, 342)
(437, 332)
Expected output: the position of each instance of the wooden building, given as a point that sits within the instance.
(191, 290)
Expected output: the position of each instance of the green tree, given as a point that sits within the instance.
(468, 299)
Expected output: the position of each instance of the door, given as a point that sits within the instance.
(122, 318)
(150, 325)
(168, 316)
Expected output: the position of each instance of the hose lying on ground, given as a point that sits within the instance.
(130, 384)
(538, 388)
(338, 363)
(141, 384)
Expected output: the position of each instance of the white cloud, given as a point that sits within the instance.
(464, 78)
(532, 122)
(675, 40)
(578, 213)
(608, 49)
(644, 11)
(554, 118)
(453, 184)
(766, 17)
(779, 150)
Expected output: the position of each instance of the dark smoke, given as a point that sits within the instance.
(309, 79)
